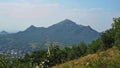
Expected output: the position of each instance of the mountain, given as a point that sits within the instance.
(69, 32)
(3, 33)
(65, 32)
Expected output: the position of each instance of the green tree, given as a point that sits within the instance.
(4, 61)
(95, 46)
(55, 53)
(37, 57)
(107, 38)
(83, 48)
(116, 27)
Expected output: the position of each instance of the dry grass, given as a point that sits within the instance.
(106, 59)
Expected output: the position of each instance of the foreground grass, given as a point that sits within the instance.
(106, 59)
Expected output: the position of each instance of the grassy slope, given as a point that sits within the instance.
(106, 59)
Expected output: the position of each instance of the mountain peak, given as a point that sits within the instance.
(31, 28)
(64, 24)
(67, 21)
(3, 32)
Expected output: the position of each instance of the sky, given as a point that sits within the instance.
(17, 15)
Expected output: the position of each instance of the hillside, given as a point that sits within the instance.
(65, 32)
(106, 59)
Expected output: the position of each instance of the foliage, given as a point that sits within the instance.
(107, 38)
(116, 27)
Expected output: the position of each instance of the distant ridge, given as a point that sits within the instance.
(3, 32)
(65, 32)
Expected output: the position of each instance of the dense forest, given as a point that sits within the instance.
(55, 54)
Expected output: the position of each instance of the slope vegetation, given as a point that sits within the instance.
(106, 59)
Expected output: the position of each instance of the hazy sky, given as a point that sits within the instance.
(17, 15)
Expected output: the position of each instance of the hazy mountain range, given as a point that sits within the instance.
(65, 32)
(3, 33)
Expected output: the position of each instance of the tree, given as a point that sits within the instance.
(37, 57)
(4, 61)
(95, 46)
(107, 38)
(83, 48)
(116, 27)
(54, 57)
